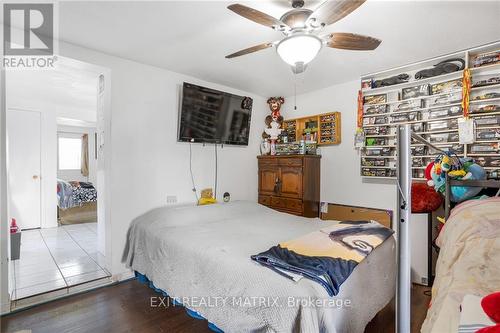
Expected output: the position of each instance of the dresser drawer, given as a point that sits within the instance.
(278, 202)
(290, 162)
(265, 200)
(268, 161)
(287, 203)
(292, 204)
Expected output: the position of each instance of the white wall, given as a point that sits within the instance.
(147, 163)
(340, 164)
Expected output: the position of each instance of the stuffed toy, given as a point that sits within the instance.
(207, 197)
(274, 120)
(491, 306)
(424, 199)
(463, 168)
(275, 106)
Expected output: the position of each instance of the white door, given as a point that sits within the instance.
(24, 167)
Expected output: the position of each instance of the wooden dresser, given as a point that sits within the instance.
(290, 184)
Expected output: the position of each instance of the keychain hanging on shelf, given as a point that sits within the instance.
(466, 125)
(359, 136)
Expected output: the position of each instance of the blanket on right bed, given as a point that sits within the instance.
(327, 256)
(468, 263)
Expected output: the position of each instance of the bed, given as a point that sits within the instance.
(76, 202)
(204, 251)
(468, 262)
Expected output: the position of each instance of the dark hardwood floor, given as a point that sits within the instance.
(125, 307)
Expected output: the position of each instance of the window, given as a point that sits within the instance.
(70, 153)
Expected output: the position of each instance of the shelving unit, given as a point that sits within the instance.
(322, 128)
(432, 110)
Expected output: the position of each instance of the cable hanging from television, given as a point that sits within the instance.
(215, 185)
(191, 170)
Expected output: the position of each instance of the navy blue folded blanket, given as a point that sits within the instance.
(327, 256)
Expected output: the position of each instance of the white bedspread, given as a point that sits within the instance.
(468, 263)
(205, 251)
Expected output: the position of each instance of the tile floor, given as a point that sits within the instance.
(55, 258)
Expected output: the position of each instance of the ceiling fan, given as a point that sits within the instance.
(301, 26)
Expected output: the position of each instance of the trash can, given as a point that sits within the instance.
(15, 245)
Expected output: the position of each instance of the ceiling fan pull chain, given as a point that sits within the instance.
(295, 91)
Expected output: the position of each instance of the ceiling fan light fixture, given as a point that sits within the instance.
(299, 49)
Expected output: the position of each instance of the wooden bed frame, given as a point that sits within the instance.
(332, 211)
(81, 214)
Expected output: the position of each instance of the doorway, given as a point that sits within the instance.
(56, 181)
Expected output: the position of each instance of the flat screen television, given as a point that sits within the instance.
(213, 116)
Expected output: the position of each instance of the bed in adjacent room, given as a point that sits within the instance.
(468, 262)
(196, 253)
(76, 202)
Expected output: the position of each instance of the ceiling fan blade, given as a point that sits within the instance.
(256, 16)
(347, 41)
(333, 10)
(250, 50)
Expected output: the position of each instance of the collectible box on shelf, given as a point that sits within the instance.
(445, 112)
(366, 84)
(439, 125)
(493, 161)
(484, 148)
(380, 120)
(485, 80)
(487, 94)
(367, 172)
(375, 99)
(487, 120)
(327, 131)
(455, 149)
(376, 141)
(385, 151)
(418, 150)
(444, 87)
(408, 105)
(291, 148)
(485, 108)
(446, 99)
(420, 162)
(327, 118)
(377, 130)
(443, 137)
(311, 148)
(377, 162)
(488, 134)
(487, 58)
(418, 127)
(405, 117)
(375, 109)
(416, 91)
(493, 174)
(418, 173)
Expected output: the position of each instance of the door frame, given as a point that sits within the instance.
(42, 184)
(105, 152)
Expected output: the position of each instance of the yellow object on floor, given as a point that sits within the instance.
(206, 201)
(207, 197)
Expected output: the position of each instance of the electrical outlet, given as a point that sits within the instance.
(171, 199)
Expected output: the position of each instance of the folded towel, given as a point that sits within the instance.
(327, 256)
